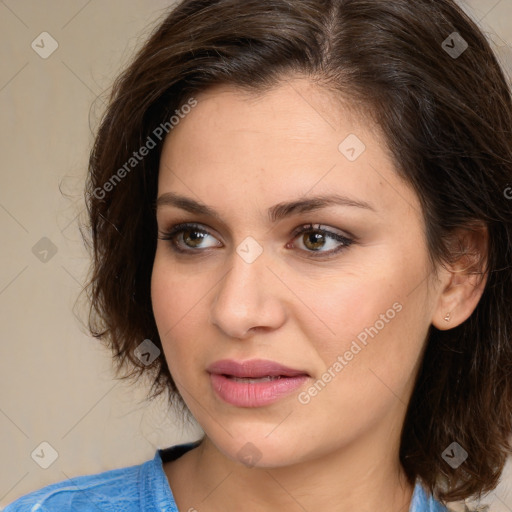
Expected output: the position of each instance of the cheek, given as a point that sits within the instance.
(175, 295)
(367, 369)
(175, 299)
(163, 296)
(347, 303)
(379, 331)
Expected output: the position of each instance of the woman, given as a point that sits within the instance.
(301, 223)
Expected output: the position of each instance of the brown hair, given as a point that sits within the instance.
(447, 120)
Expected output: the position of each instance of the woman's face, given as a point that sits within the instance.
(351, 318)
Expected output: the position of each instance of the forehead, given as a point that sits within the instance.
(294, 139)
(296, 107)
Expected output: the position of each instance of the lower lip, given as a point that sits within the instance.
(257, 394)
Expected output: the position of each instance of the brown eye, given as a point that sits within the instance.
(313, 241)
(186, 237)
(315, 238)
(193, 240)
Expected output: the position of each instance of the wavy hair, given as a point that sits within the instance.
(446, 114)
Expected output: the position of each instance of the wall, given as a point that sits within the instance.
(56, 383)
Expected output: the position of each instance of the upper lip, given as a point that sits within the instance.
(253, 368)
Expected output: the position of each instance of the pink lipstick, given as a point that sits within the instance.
(254, 383)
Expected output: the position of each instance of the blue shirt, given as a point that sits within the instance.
(140, 488)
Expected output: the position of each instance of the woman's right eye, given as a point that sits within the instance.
(190, 234)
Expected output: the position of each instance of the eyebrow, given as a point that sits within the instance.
(275, 213)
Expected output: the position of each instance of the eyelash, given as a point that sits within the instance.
(176, 230)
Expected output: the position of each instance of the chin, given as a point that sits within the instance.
(256, 448)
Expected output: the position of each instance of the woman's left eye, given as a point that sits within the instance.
(312, 238)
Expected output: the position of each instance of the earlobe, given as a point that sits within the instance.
(467, 278)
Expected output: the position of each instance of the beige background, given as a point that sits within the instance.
(56, 385)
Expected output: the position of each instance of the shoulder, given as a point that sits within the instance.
(101, 491)
(130, 489)
(423, 501)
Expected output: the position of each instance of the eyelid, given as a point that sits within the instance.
(325, 228)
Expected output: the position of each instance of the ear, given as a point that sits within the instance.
(464, 279)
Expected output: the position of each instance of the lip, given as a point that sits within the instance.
(254, 394)
(253, 368)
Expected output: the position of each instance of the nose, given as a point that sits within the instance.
(249, 298)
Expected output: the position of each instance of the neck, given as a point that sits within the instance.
(368, 476)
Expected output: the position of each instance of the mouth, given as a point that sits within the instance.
(253, 369)
(254, 383)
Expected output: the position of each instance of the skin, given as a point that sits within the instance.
(241, 154)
